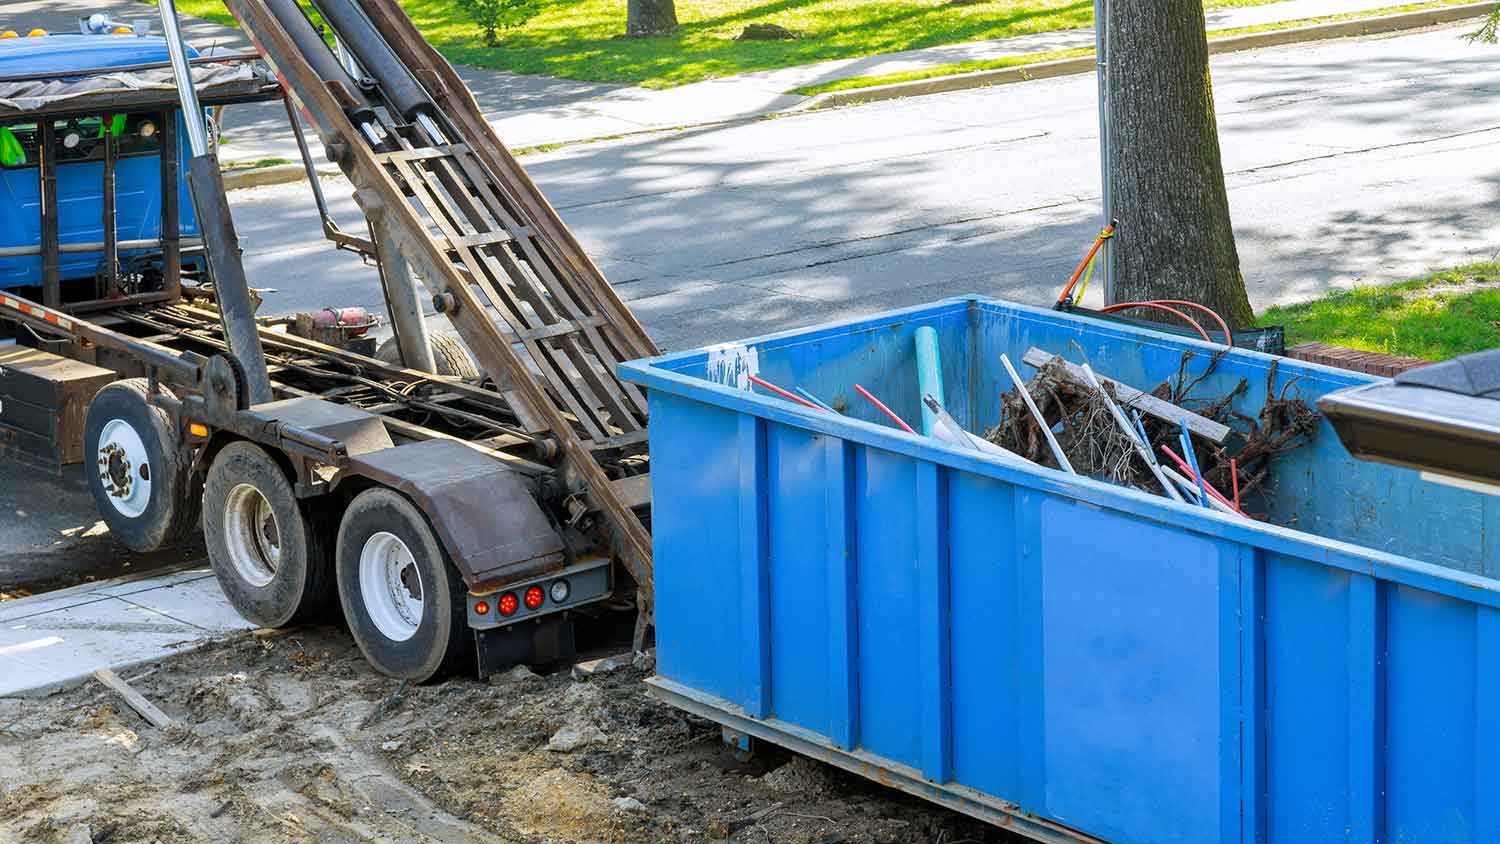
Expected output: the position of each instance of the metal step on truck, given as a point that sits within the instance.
(464, 500)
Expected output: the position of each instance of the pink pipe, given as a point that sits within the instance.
(783, 393)
(886, 410)
(1188, 470)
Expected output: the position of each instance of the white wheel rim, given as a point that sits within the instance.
(391, 586)
(124, 468)
(252, 535)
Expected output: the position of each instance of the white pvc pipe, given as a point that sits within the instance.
(1057, 452)
(1143, 449)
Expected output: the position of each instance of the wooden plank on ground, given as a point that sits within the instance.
(1144, 402)
(137, 701)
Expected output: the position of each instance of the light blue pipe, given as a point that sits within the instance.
(815, 400)
(929, 375)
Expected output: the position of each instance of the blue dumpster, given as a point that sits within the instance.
(1057, 655)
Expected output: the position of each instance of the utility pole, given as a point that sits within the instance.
(1101, 67)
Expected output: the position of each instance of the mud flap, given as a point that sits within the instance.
(548, 641)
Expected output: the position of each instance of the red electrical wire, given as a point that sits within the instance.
(1223, 326)
(886, 410)
(1234, 477)
(783, 393)
(1120, 306)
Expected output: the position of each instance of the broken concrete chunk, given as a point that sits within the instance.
(518, 674)
(604, 665)
(629, 804)
(575, 737)
(645, 660)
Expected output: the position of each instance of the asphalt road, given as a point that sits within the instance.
(1357, 161)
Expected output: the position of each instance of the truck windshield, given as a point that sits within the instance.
(80, 139)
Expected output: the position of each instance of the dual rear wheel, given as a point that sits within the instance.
(401, 596)
(268, 549)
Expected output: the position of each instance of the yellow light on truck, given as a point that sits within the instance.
(122, 30)
(198, 429)
(10, 33)
(36, 33)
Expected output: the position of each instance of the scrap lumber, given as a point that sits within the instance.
(1145, 402)
(145, 708)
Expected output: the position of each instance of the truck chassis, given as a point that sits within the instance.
(500, 505)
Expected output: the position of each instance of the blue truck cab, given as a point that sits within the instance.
(79, 155)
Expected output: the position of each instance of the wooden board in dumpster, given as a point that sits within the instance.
(1065, 656)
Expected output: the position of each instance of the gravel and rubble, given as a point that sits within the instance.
(275, 742)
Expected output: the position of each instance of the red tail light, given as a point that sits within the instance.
(534, 597)
(508, 603)
(482, 608)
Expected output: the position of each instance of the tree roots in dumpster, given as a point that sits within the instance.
(1097, 447)
(281, 738)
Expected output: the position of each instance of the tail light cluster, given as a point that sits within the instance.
(583, 582)
(533, 597)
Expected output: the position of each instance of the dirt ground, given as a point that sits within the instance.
(290, 737)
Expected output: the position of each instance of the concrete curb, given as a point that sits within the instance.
(280, 174)
(1085, 64)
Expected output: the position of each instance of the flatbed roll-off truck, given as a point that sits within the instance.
(462, 498)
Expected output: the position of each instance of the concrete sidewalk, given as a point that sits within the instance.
(531, 111)
(58, 639)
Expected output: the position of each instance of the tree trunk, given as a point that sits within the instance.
(1175, 239)
(650, 17)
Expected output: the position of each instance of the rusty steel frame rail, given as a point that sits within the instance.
(184, 371)
(384, 200)
(288, 352)
(176, 369)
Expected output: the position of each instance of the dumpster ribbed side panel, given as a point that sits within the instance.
(1057, 655)
(696, 533)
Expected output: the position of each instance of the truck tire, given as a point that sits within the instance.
(452, 358)
(402, 596)
(145, 494)
(267, 548)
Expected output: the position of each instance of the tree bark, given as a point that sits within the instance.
(650, 17)
(1175, 240)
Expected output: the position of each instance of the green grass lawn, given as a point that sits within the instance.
(856, 82)
(1437, 316)
(579, 39)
